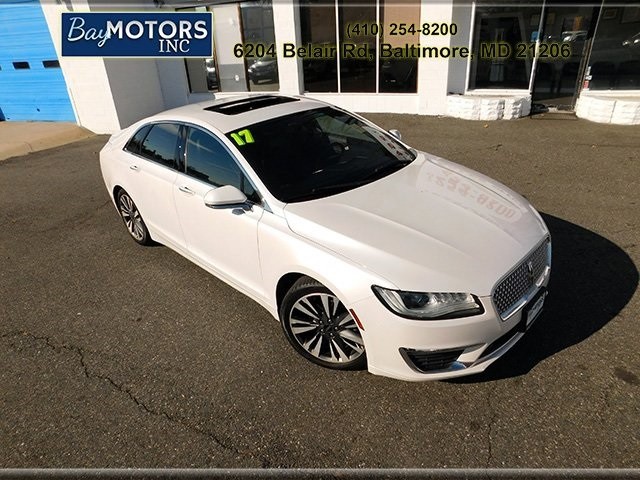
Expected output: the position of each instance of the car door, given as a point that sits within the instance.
(155, 155)
(224, 239)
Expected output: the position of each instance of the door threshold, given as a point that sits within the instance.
(539, 110)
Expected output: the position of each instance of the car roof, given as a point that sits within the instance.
(232, 113)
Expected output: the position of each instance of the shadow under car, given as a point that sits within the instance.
(592, 279)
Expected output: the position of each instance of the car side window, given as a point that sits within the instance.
(208, 160)
(161, 144)
(135, 143)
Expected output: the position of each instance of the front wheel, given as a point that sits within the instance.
(320, 327)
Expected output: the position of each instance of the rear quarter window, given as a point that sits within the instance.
(161, 144)
(135, 143)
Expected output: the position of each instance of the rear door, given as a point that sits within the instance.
(154, 156)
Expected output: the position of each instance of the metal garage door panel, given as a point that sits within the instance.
(34, 93)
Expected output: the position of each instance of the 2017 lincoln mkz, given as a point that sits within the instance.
(368, 252)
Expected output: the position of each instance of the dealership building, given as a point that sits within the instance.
(423, 57)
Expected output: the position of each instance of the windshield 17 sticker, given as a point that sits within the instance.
(242, 137)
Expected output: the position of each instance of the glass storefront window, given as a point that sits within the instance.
(512, 24)
(318, 27)
(246, 23)
(615, 55)
(227, 30)
(257, 28)
(399, 75)
(202, 74)
(557, 79)
(358, 75)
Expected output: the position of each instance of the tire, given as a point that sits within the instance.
(132, 219)
(320, 328)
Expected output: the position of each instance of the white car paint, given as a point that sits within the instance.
(432, 226)
(424, 236)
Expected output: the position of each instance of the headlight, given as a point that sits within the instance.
(429, 306)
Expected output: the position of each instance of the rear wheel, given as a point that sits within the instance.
(132, 219)
(320, 327)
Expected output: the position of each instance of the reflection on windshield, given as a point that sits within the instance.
(316, 153)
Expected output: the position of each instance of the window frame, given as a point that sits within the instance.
(179, 159)
(126, 145)
(210, 8)
(340, 37)
(181, 168)
(471, 71)
(185, 153)
(613, 89)
(361, 119)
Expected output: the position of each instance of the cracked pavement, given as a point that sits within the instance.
(115, 355)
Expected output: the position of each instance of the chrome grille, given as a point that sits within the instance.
(515, 285)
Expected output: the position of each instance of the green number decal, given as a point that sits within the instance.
(238, 139)
(242, 137)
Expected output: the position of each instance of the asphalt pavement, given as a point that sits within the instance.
(116, 355)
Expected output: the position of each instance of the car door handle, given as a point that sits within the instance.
(186, 190)
(135, 168)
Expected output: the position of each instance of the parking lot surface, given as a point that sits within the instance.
(116, 355)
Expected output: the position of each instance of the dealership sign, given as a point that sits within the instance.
(170, 34)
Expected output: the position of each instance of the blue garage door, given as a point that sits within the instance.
(32, 86)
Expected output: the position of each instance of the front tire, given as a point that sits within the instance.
(320, 328)
(132, 219)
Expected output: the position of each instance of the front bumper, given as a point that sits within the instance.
(397, 347)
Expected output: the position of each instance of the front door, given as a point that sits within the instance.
(557, 80)
(225, 240)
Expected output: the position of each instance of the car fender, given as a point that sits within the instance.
(283, 252)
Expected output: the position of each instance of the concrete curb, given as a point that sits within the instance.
(21, 138)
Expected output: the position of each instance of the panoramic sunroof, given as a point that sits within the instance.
(247, 104)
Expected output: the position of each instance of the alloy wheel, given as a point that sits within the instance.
(325, 329)
(131, 217)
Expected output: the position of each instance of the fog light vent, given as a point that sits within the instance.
(430, 361)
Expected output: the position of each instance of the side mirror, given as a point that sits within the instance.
(396, 133)
(226, 196)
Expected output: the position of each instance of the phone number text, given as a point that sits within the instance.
(400, 29)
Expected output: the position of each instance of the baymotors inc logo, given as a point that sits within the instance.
(170, 34)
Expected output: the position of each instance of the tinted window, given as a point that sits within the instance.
(615, 58)
(317, 153)
(514, 22)
(136, 142)
(208, 160)
(161, 144)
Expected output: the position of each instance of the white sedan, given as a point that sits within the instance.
(368, 252)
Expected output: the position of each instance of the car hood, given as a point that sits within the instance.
(432, 226)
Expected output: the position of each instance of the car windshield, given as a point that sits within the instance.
(317, 153)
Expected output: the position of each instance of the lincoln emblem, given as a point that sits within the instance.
(530, 269)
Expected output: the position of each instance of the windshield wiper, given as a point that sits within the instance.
(326, 189)
(377, 173)
(387, 169)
